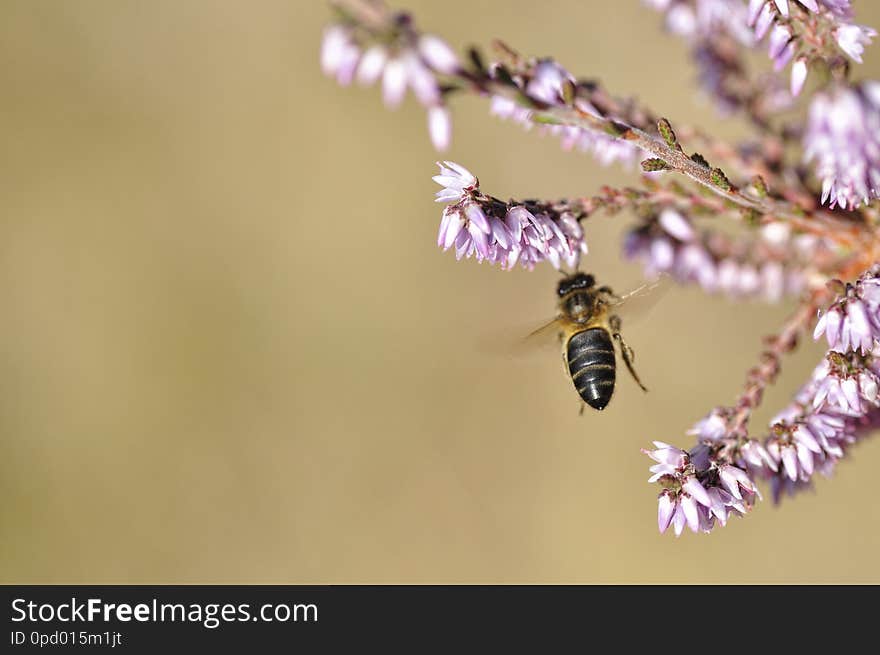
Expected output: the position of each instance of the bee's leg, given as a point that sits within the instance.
(626, 352)
(583, 407)
(608, 293)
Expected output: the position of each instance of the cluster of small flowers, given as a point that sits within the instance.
(777, 18)
(749, 23)
(543, 82)
(671, 245)
(705, 19)
(717, 29)
(402, 58)
(839, 402)
(843, 138)
(698, 488)
(505, 233)
(720, 73)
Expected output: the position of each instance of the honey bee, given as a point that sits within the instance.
(587, 324)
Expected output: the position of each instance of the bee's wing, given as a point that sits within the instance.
(639, 301)
(524, 340)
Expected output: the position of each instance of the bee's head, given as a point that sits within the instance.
(574, 282)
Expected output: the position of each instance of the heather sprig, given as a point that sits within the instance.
(767, 266)
(810, 33)
(791, 211)
(388, 47)
(505, 233)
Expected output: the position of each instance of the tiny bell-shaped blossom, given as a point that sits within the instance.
(852, 323)
(547, 82)
(339, 54)
(677, 225)
(440, 127)
(712, 427)
(845, 385)
(798, 76)
(438, 55)
(852, 39)
(736, 481)
(756, 457)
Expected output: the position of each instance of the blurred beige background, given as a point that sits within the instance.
(231, 352)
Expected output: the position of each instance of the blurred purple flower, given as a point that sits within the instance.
(852, 39)
(339, 54)
(843, 139)
(545, 83)
(671, 245)
(776, 17)
(798, 76)
(411, 61)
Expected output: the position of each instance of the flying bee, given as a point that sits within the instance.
(588, 325)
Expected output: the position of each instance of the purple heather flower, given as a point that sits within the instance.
(456, 180)
(853, 322)
(840, 8)
(850, 390)
(464, 224)
(736, 481)
(339, 54)
(797, 452)
(779, 37)
(707, 17)
(440, 126)
(852, 39)
(763, 20)
(605, 148)
(798, 76)
(772, 16)
(826, 428)
(546, 85)
(547, 82)
(836, 406)
(412, 62)
(781, 45)
(675, 224)
(755, 7)
(675, 249)
(536, 237)
(755, 457)
(438, 55)
(843, 139)
(712, 427)
(507, 108)
(680, 20)
(371, 65)
(669, 460)
(696, 498)
(404, 65)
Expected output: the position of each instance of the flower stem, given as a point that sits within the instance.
(766, 372)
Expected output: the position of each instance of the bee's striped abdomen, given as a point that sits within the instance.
(592, 366)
